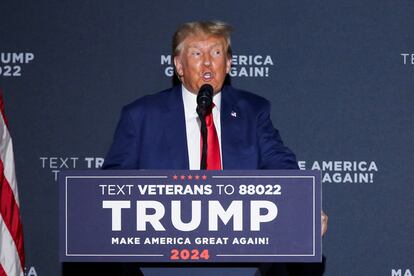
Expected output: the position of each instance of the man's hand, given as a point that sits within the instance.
(324, 222)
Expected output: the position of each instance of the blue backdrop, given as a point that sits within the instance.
(339, 75)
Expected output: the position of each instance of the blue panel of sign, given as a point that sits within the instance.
(190, 216)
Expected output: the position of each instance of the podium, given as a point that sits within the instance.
(190, 216)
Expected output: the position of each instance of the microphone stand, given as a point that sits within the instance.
(204, 101)
(202, 115)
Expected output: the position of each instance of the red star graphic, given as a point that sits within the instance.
(190, 177)
(204, 177)
(182, 177)
(175, 177)
(197, 177)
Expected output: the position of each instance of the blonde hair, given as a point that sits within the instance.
(208, 28)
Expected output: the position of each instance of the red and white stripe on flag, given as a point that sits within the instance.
(11, 231)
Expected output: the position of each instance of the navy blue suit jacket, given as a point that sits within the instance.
(151, 134)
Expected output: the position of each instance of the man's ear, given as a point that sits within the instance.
(228, 64)
(178, 66)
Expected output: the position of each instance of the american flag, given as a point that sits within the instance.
(11, 231)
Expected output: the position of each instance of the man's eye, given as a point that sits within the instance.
(217, 52)
(196, 53)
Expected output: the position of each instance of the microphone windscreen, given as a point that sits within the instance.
(205, 96)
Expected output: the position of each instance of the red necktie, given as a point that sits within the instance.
(213, 146)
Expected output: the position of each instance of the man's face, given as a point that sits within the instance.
(203, 60)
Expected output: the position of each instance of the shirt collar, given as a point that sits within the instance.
(190, 101)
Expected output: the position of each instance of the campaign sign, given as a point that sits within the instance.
(190, 216)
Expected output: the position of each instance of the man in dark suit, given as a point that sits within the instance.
(154, 132)
(162, 131)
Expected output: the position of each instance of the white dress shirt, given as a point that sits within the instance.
(192, 126)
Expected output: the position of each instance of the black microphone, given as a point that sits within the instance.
(204, 99)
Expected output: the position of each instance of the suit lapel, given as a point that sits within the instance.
(231, 126)
(175, 131)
